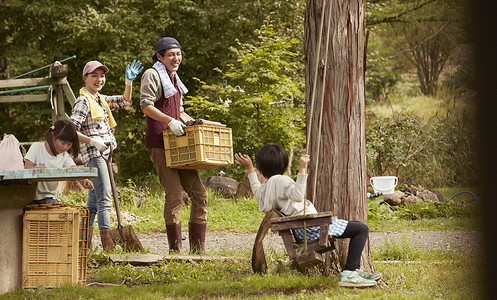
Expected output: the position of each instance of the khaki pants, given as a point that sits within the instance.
(171, 181)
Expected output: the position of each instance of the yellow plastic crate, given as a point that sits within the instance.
(202, 147)
(55, 245)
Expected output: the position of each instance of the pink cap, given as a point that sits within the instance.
(93, 65)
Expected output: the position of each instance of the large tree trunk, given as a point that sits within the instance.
(334, 48)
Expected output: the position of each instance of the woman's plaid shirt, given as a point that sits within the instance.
(100, 130)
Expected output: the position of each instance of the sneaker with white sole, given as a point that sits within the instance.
(353, 279)
(367, 275)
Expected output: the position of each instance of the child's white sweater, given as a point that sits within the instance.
(282, 193)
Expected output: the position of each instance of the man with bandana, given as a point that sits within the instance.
(161, 101)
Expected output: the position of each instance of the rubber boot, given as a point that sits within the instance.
(196, 236)
(174, 237)
(107, 242)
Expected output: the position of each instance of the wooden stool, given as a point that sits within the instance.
(296, 251)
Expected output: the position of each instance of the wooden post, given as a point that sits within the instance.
(56, 94)
(334, 56)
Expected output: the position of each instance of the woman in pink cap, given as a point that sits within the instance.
(93, 118)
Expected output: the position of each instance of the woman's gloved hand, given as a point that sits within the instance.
(132, 71)
(176, 127)
(98, 144)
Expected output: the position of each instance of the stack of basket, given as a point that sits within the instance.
(55, 245)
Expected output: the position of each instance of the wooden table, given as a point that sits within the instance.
(17, 189)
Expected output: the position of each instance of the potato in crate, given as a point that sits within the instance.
(202, 147)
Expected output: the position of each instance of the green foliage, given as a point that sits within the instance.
(419, 34)
(382, 73)
(74, 198)
(394, 142)
(461, 81)
(448, 209)
(379, 210)
(261, 97)
(230, 47)
(438, 153)
(108, 31)
(133, 196)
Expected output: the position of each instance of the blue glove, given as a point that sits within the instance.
(133, 70)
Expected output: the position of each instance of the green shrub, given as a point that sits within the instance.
(76, 198)
(434, 210)
(379, 210)
(436, 153)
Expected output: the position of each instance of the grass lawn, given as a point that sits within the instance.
(408, 272)
(425, 275)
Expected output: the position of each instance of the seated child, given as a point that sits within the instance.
(288, 196)
(59, 138)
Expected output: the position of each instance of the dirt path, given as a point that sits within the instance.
(229, 241)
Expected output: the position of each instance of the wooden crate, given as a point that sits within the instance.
(83, 243)
(55, 245)
(202, 147)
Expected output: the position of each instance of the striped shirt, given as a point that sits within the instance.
(100, 130)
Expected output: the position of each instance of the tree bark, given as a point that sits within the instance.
(334, 58)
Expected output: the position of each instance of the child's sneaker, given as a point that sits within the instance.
(353, 279)
(367, 275)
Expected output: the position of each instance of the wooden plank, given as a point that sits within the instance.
(23, 98)
(25, 82)
(48, 174)
(138, 259)
(288, 242)
(301, 217)
(323, 235)
(309, 259)
(69, 93)
(259, 264)
(300, 223)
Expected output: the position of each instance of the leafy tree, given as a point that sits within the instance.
(425, 33)
(116, 32)
(393, 11)
(261, 97)
(382, 73)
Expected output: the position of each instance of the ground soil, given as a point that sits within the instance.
(156, 243)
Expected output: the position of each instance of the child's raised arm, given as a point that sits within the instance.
(304, 161)
(244, 161)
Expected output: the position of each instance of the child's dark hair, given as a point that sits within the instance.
(271, 160)
(63, 130)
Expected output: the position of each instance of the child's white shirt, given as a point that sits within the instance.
(283, 193)
(39, 156)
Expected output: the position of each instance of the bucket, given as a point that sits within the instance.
(384, 184)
